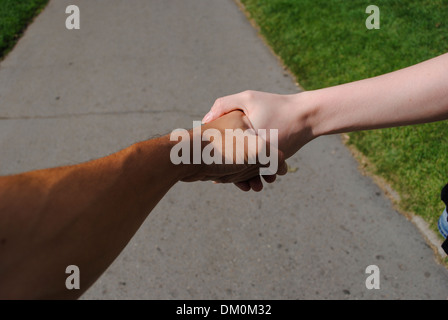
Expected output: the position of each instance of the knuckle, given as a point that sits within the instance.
(249, 94)
(217, 104)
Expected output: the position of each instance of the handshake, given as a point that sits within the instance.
(227, 150)
(83, 215)
(241, 141)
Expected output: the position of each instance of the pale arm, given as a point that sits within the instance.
(414, 95)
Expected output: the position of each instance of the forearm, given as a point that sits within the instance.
(84, 215)
(81, 215)
(413, 95)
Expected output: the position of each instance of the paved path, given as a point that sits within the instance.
(144, 67)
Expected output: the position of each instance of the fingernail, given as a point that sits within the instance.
(207, 117)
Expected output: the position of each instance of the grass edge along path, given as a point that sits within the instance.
(15, 17)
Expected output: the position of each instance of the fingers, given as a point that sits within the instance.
(270, 179)
(244, 185)
(248, 178)
(251, 180)
(244, 175)
(282, 169)
(254, 184)
(224, 105)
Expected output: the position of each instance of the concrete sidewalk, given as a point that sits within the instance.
(144, 67)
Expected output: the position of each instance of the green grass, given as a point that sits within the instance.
(15, 15)
(326, 43)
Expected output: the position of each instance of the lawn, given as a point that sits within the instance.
(15, 15)
(326, 43)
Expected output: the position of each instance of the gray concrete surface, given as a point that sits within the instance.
(144, 67)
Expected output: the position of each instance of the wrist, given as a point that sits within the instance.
(153, 157)
(313, 115)
(302, 110)
(333, 110)
(184, 149)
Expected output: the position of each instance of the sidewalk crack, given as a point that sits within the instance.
(107, 113)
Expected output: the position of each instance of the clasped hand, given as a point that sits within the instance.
(232, 152)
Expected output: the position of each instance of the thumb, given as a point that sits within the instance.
(222, 106)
